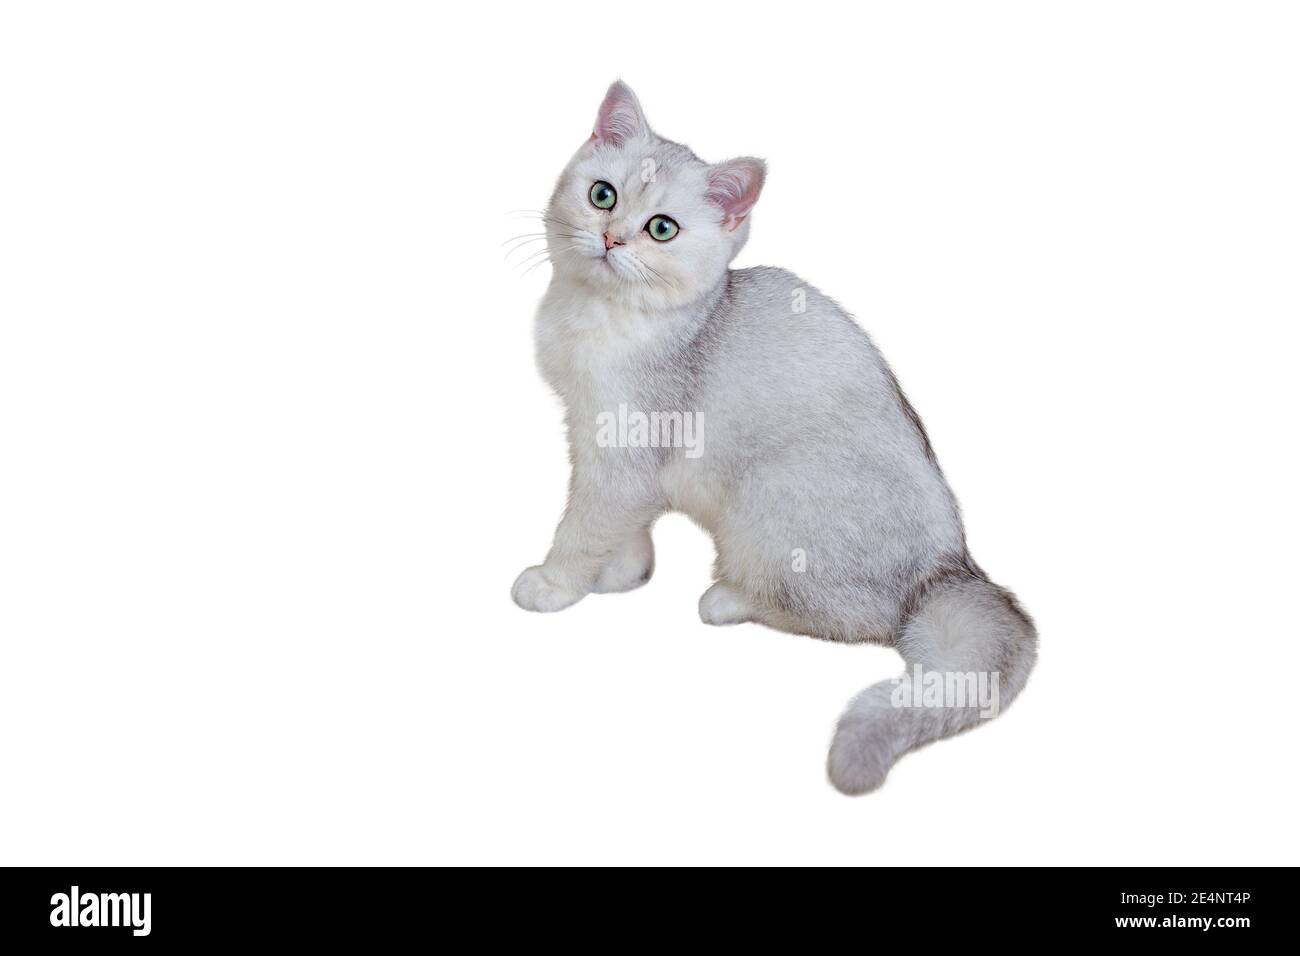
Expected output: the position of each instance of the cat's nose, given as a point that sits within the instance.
(611, 242)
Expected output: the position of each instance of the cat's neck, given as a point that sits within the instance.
(580, 308)
(593, 349)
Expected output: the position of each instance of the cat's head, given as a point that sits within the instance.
(643, 219)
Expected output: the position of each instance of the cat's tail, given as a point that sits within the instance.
(969, 649)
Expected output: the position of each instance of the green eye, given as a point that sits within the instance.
(603, 195)
(661, 228)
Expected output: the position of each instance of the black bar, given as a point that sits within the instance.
(987, 907)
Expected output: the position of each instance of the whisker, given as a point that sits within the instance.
(532, 255)
(522, 242)
(525, 235)
(534, 266)
(519, 247)
(557, 221)
(646, 271)
(542, 255)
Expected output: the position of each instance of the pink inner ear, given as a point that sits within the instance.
(734, 186)
(619, 117)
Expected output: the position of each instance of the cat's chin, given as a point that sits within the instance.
(596, 274)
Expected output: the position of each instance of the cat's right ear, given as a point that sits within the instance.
(619, 118)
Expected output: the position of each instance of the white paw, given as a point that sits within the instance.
(858, 762)
(533, 592)
(629, 568)
(722, 604)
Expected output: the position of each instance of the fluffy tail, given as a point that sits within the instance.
(969, 649)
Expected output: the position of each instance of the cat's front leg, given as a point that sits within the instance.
(602, 544)
(629, 567)
(533, 591)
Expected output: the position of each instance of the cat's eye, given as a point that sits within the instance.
(661, 228)
(603, 195)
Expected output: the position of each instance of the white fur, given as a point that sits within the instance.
(722, 605)
(811, 448)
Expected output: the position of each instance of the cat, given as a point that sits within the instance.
(811, 471)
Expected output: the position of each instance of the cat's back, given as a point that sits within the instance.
(809, 439)
(778, 340)
(774, 309)
(797, 390)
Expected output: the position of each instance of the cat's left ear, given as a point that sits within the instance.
(619, 118)
(734, 187)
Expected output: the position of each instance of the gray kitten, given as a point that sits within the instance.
(754, 404)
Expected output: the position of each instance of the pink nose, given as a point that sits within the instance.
(611, 242)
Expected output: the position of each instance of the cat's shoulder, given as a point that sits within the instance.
(769, 290)
(762, 281)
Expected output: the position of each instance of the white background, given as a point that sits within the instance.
(273, 448)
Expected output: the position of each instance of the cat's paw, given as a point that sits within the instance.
(722, 604)
(533, 592)
(630, 567)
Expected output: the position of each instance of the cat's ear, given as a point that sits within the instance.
(734, 187)
(619, 118)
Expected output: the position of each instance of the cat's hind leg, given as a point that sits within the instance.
(723, 604)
